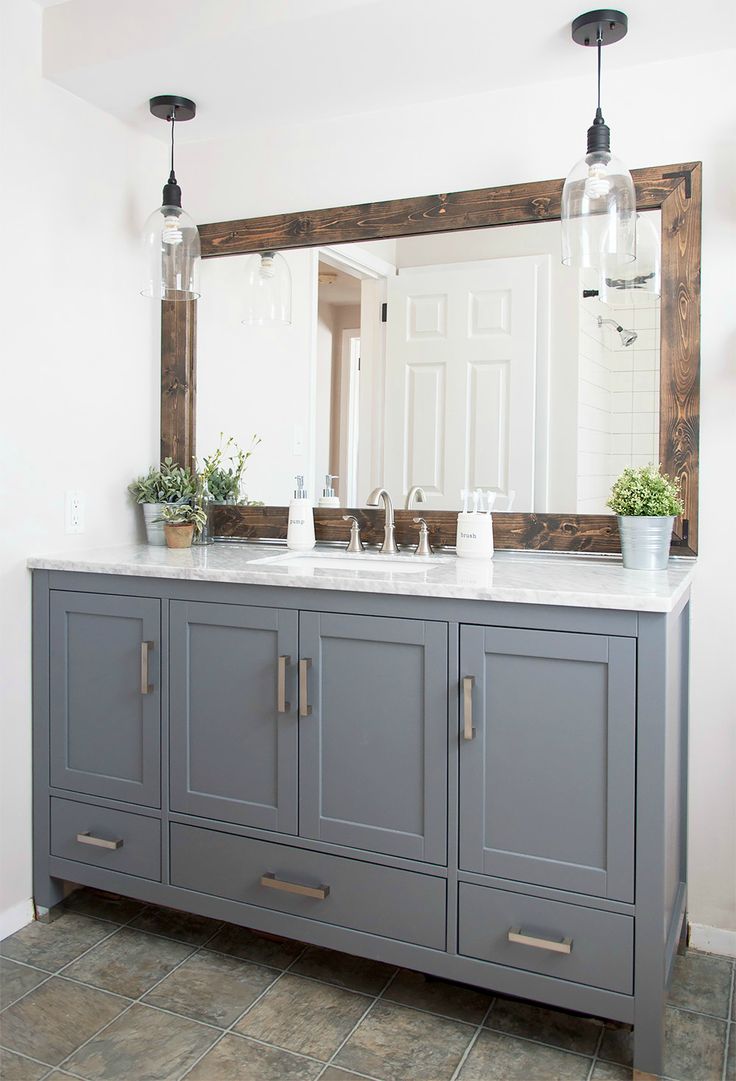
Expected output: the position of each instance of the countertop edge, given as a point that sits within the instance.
(514, 595)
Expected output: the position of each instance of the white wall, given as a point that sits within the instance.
(80, 398)
(527, 134)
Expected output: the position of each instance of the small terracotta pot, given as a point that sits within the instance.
(179, 534)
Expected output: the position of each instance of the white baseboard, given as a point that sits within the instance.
(12, 919)
(713, 939)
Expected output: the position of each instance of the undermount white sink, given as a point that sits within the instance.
(364, 562)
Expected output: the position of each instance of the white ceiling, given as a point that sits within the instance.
(255, 63)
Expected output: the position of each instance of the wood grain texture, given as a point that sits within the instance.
(676, 189)
(559, 532)
(178, 380)
(679, 416)
(477, 209)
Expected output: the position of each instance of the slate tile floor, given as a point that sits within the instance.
(114, 990)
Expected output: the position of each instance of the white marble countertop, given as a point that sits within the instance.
(520, 577)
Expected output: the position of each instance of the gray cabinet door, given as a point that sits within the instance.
(547, 781)
(233, 753)
(105, 708)
(373, 749)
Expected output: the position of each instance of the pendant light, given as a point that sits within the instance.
(642, 279)
(598, 200)
(267, 290)
(170, 237)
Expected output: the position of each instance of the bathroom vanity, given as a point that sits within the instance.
(475, 771)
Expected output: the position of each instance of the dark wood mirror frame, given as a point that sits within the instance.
(673, 189)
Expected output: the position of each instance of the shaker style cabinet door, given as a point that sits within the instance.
(373, 734)
(233, 728)
(105, 704)
(547, 738)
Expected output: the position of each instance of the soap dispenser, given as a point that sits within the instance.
(328, 497)
(300, 531)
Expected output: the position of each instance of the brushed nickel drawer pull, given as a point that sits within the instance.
(468, 684)
(86, 838)
(146, 648)
(304, 707)
(517, 935)
(282, 706)
(320, 893)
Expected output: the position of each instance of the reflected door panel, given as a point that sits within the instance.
(460, 380)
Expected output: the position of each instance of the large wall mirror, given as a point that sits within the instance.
(444, 362)
(425, 356)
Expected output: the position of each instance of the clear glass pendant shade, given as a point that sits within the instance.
(598, 213)
(267, 290)
(172, 254)
(642, 277)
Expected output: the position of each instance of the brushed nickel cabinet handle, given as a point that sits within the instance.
(468, 684)
(304, 707)
(86, 838)
(146, 648)
(516, 934)
(282, 706)
(320, 893)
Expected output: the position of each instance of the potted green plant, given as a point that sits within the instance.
(169, 483)
(646, 503)
(223, 470)
(180, 521)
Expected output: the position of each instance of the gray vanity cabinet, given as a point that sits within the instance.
(547, 758)
(233, 713)
(373, 734)
(105, 695)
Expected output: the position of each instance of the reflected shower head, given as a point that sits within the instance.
(628, 337)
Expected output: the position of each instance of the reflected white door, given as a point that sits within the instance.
(461, 357)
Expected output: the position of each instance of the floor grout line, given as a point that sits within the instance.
(730, 1032)
(473, 1040)
(730, 1027)
(596, 1051)
(358, 1023)
(132, 1003)
(230, 1028)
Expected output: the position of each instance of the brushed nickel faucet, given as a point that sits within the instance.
(418, 493)
(388, 548)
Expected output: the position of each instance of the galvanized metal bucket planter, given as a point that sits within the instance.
(645, 541)
(154, 526)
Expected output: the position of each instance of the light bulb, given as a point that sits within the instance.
(598, 184)
(171, 232)
(268, 268)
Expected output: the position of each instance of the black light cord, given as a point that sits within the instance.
(600, 43)
(172, 120)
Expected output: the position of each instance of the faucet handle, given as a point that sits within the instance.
(423, 548)
(356, 544)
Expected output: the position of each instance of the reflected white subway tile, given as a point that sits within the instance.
(621, 443)
(643, 402)
(594, 396)
(644, 422)
(646, 339)
(643, 443)
(644, 381)
(595, 419)
(621, 422)
(621, 382)
(646, 360)
(622, 403)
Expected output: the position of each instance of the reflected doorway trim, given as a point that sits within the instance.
(674, 189)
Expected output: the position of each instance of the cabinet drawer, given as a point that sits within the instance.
(600, 947)
(131, 843)
(363, 896)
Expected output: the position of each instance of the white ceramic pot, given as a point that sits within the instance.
(154, 529)
(645, 541)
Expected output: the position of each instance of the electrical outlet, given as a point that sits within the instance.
(74, 512)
